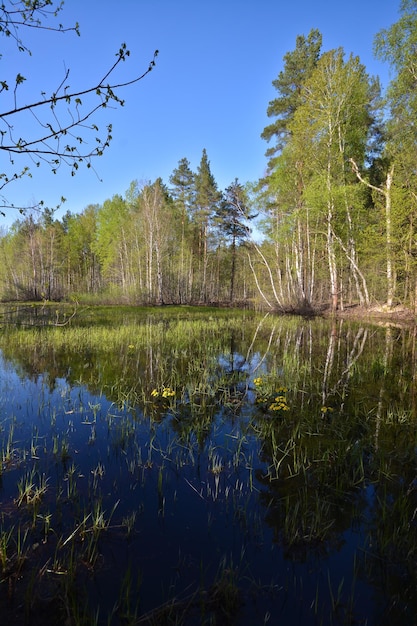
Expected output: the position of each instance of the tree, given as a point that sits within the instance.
(207, 197)
(280, 191)
(332, 124)
(232, 216)
(298, 66)
(82, 264)
(111, 245)
(386, 191)
(63, 120)
(314, 204)
(33, 257)
(156, 220)
(182, 190)
(397, 45)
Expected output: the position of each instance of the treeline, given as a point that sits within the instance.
(185, 243)
(337, 207)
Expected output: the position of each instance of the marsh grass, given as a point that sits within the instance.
(32, 487)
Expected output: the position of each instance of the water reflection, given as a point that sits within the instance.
(165, 459)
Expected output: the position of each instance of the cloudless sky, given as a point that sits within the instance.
(210, 88)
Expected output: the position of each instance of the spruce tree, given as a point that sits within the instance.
(182, 190)
(207, 197)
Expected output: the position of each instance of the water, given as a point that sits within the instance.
(176, 478)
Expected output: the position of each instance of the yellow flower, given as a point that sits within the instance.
(167, 392)
(131, 346)
(257, 381)
(280, 399)
(155, 393)
(279, 406)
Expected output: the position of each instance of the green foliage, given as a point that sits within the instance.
(112, 223)
(207, 195)
(183, 189)
(315, 197)
(233, 213)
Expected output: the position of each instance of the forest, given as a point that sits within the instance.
(332, 223)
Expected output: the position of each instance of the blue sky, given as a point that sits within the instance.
(210, 88)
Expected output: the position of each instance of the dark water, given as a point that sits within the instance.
(243, 470)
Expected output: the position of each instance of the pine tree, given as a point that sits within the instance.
(298, 66)
(280, 191)
(232, 216)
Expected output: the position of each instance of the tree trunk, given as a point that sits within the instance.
(388, 226)
(386, 192)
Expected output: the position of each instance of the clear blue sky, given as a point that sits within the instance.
(210, 88)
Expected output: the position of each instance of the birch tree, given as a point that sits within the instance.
(332, 123)
(159, 232)
(82, 268)
(292, 266)
(112, 243)
(397, 45)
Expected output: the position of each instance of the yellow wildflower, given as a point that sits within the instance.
(279, 406)
(167, 392)
(280, 399)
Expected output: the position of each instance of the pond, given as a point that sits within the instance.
(206, 466)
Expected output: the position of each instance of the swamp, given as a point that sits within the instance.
(194, 465)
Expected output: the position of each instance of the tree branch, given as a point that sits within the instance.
(59, 114)
(362, 180)
(108, 89)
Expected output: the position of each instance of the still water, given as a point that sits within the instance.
(190, 467)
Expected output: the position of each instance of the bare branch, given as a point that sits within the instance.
(107, 89)
(362, 180)
(64, 126)
(30, 14)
